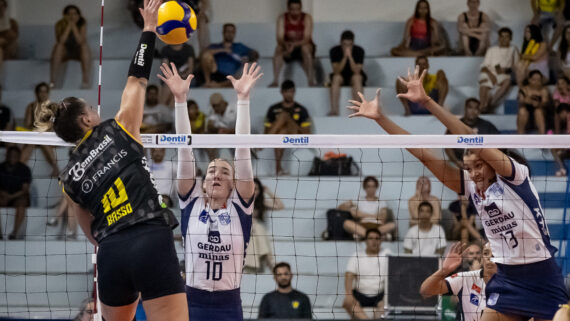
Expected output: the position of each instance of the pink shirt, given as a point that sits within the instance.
(560, 98)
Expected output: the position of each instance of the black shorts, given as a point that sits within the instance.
(563, 107)
(141, 259)
(367, 301)
(347, 78)
(297, 54)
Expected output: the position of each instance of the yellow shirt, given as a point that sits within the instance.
(430, 82)
(198, 124)
(549, 5)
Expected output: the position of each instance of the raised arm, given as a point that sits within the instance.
(132, 102)
(243, 169)
(445, 172)
(435, 283)
(186, 174)
(494, 157)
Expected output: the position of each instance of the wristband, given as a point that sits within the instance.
(180, 105)
(142, 60)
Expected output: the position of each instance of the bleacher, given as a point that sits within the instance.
(46, 277)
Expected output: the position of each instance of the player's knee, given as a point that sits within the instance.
(356, 79)
(337, 79)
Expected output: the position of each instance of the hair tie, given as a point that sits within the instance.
(52, 119)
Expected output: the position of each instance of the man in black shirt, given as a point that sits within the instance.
(15, 179)
(6, 117)
(479, 126)
(285, 302)
(347, 60)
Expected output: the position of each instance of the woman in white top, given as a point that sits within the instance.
(369, 212)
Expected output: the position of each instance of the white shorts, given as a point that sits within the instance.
(485, 80)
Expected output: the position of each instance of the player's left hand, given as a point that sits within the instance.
(149, 12)
(178, 86)
(248, 79)
(414, 83)
(369, 109)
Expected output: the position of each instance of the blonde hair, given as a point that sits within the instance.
(62, 118)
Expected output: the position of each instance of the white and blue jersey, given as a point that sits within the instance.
(215, 241)
(512, 217)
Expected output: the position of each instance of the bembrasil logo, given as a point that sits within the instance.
(296, 140)
(478, 140)
(174, 140)
(78, 170)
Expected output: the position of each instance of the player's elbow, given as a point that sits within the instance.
(426, 292)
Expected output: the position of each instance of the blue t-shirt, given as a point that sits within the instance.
(228, 64)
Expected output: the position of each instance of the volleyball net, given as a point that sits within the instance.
(48, 270)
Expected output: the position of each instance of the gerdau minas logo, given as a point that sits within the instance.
(478, 140)
(296, 140)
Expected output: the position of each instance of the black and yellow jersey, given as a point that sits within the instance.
(107, 174)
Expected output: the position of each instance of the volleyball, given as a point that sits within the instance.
(176, 21)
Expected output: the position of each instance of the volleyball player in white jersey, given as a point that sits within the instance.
(216, 217)
(528, 283)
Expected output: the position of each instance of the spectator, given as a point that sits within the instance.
(347, 60)
(183, 58)
(548, 12)
(464, 229)
(560, 155)
(9, 31)
(66, 217)
(157, 118)
(561, 99)
(86, 311)
(474, 27)
(421, 35)
(201, 7)
(294, 41)
(42, 91)
(15, 179)
(163, 172)
(6, 117)
(369, 212)
(533, 101)
(225, 59)
(71, 43)
(423, 194)
(472, 257)
(259, 250)
(284, 303)
(496, 71)
(221, 121)
(564, 53)
(286, 117)
(480, 127)
(436, 87)
(425, 238)
(197, 118)
(364, 279)
(534, 55)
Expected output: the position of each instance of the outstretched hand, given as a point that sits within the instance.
(149, 12)
(248, 79)
(454, 258)
(414, 83)
(369, 109)
(178, 86)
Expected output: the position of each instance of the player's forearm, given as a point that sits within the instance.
(454, 125)
(186, 164)
(244, 169)
(434, 284)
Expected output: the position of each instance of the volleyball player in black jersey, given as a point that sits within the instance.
(111, 190)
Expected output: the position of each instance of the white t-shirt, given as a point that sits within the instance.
(512, 217)
(215, 241)
(505, 57)
(164, 174)
(227, 120)
(470, 289)
(156, 115)
(425, 243)
(371, 271)
(370, 207)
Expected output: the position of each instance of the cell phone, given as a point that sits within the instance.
(498, 68)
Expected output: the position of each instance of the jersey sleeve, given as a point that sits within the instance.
(442, 240)
(358, 55)
(408, 240)
(352, 265)
(519, 173)
(455, 282)
(245, 205)
(335, 54)
(194, 192)
(264, 307)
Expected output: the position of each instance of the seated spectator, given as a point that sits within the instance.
(183, 58)
(563, 53)
(42, 91)
(469, 287)
(86, 311)
(474, 27)
(71, 43)
(534, 55)
(15, 179)
(549, 13)
(259, 251)
(472, 257)
(221, 121)
(496, 71)
(425, 238)
(66, 217)
(464, 229)
(225, 59)
(286, 117)
(561, 97)
(6, 117)
(423, 194)
(436, 87)
(201, 7)
(197, 118)
(533, 100)
(421, 35)
(164, 175)
(285, 303)
(9, 31)
(347, 60)
(294, 41)
(561, 155)
(365, 277)
(369, 212)
(480, 127)
(157, 118)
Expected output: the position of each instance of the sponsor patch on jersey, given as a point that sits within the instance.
(203, 217)
(476, 288)
(493, 298)
(224, 218)
(492, 210)
(295, 304)
(496, 189)
(477, 199)
(474, 299)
